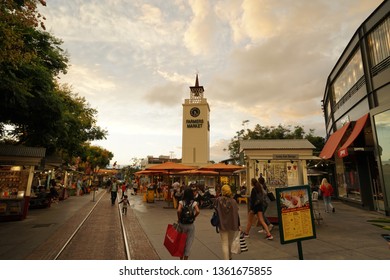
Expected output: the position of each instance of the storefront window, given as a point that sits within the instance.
(382, 124)
(349, 76)
(347, 180)
(379, 42)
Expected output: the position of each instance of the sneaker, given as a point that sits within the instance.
(261, 231)
(270, 227)
(243, 234)
(269, 237)
(333, 210)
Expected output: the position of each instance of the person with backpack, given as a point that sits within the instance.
(187, 211)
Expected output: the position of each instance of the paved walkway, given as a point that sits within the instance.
(343, 235)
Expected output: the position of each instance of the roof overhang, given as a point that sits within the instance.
(21, 155)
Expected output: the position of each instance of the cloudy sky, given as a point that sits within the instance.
(265, 61)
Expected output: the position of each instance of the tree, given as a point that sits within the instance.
(272, 132)
(37, 110)
(18, 16)
(30, 59)
(93, 158)
(78, 124)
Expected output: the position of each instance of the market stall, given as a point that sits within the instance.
(17, 164)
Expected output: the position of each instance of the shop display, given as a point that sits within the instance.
(12, 190)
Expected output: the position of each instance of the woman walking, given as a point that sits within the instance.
(187, 211)
(229, 221)
(327, 191)
(257, 205)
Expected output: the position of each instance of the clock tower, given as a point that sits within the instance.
(196, 128)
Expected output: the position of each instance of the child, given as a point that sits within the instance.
(125, 203)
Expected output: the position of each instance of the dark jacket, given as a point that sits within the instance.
(228, 213)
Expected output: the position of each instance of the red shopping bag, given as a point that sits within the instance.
(175, 241)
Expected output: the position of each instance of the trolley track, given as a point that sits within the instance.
(101, 235)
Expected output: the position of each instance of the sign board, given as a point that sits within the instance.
(285, 156)
(295, 213)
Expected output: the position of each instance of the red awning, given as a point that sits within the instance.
(359, 125)
(332, 143)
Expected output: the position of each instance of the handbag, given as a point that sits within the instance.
(271, 196)
(236, 244)
(175, 240)
(215, 220)
(243, 245)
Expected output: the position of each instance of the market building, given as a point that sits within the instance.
(356, 107)
(17, 165)
(282, 162)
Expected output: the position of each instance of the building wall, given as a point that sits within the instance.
(359, 84)
(196, 133)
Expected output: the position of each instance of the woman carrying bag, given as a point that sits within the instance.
(187, 211)
(229, 224)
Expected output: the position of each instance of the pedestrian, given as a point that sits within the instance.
(79, 186)
(327, 191)
(125, 202)
(187, 211)
(266, 203)
(114, 191)
(135, 187)
(229, 220)
(124, 189)
(257, 204)
(108, 185)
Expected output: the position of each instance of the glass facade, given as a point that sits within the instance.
(349, 76)
(379, 42)
(382, 124)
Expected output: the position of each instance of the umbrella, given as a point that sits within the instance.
(222, 167)
(150, 172)
(197, 172)
(170, 166)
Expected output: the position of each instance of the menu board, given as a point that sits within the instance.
(295, 214)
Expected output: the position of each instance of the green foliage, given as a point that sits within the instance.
(78, 124)
(34, 109)
(273, 132)
(93, 158)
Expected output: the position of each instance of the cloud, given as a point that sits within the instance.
(260, 60)
(168, 95)
(200, 37)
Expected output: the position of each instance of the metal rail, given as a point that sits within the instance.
(83, 222)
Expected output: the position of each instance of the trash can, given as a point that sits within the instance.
(150, 196)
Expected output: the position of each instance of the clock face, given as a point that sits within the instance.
(194, 112)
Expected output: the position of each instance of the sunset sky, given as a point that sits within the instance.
(266, 61)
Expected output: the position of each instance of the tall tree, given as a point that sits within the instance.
(78, 124)
(30, 59)
(38, 111)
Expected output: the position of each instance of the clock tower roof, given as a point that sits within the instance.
(197, 89)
